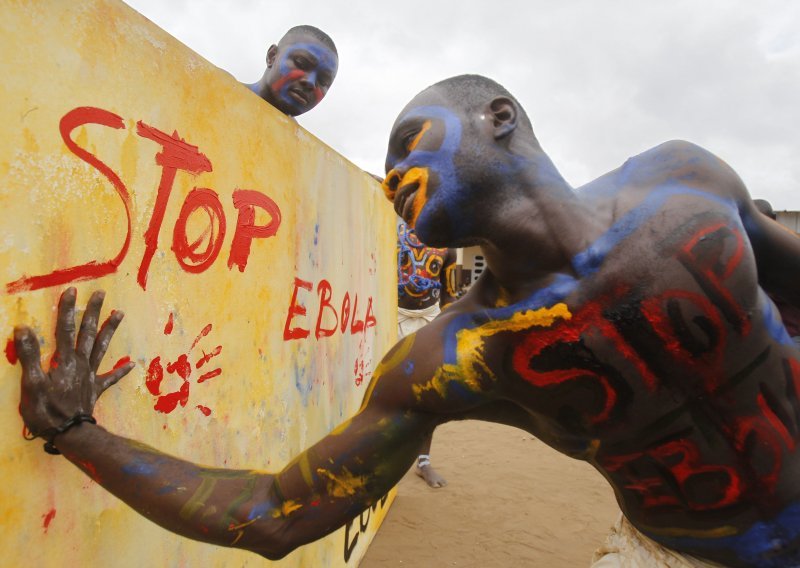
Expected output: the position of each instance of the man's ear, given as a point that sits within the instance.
(272, 53)
(503, 112)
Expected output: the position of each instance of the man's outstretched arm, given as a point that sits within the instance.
(267, 513)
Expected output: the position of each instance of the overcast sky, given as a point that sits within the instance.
(602, 80)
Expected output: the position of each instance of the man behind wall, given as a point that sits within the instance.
(425, 285)
(300, 70)
(624, 323)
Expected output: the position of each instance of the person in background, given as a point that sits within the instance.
(425, 285)
(300, 70)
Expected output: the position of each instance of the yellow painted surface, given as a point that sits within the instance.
(273, 396)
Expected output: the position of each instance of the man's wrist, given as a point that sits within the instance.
(72, 439)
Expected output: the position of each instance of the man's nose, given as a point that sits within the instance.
(309, 80)
(391, 183)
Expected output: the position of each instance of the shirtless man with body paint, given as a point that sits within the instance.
(625, 323)
(425, 286)
(300, 70)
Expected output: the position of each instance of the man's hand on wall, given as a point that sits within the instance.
(72, 384)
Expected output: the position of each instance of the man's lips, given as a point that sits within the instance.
(404, 200)
(299, 95)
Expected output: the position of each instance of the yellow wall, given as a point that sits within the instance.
(62, 214)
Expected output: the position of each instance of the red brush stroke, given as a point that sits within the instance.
(176, 154)
(48, 518)
(290, 76)
(121, 363)
(186, 253)
(209, 375)
(168, 326)
(11, 352)
(246, 200)
(204, 409)
(205, 331)
(208, 356)
(69, 122)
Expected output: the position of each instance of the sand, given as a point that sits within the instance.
(510, 501)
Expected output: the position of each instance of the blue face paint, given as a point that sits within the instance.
(289, 74)
(446, 193)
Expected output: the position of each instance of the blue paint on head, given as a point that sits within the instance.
(326, 61)
(440, 163)
(408, 367)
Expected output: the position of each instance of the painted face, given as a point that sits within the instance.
(421, 176)
(418, 267)
(304, 72)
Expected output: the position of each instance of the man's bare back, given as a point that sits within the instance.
(623, 323)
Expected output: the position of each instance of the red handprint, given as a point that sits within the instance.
(167, 402)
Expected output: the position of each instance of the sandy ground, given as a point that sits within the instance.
(510, 501)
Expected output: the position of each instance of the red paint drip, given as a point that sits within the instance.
(204, 409)
(48, 518)
(209, 375)
(11, 352)
(121, 363)
(168, 327)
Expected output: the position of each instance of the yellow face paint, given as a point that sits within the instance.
(394, 181)
(413, 144)
(419, 176)
(470, 365)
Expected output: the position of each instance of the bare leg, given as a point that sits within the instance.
(424, 468)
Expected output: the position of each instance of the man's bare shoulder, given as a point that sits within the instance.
(675, 163)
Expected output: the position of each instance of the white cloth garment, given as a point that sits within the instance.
(626, 547)
(409, 321)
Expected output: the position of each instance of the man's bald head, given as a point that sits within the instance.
(309, 32)
(472, 92)
(765, 208)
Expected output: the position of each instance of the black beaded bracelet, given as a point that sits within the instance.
(49, 447)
